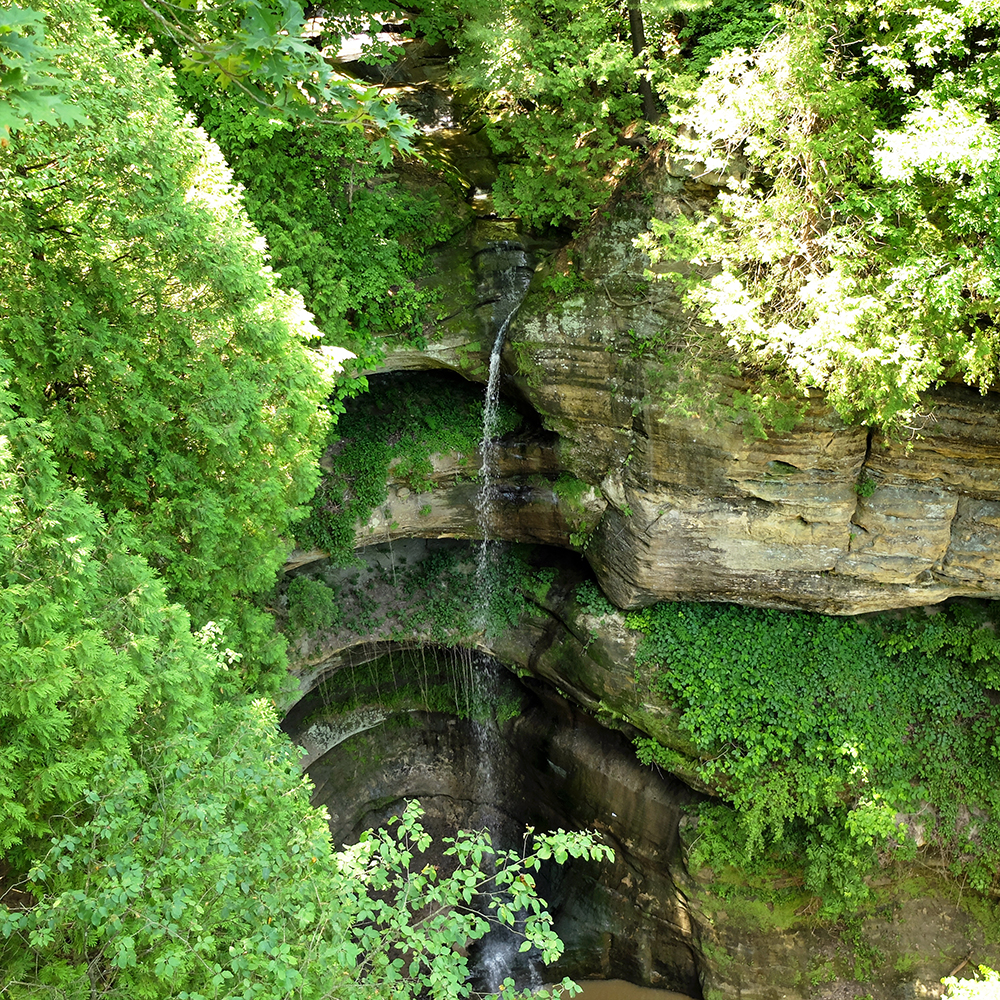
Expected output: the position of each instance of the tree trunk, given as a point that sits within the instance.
(638, 35)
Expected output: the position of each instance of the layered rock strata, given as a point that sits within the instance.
(644, 918)
(552, 767)
(826, 517)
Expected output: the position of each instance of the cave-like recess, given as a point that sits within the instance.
(545, 763)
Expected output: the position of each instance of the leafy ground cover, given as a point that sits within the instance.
(399, 425)
(834, 742)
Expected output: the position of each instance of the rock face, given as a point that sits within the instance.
(643, 918)
(528, 507)
(551, 767)
(781, 523)
(826, 517)
(753, 950)
(590, 660)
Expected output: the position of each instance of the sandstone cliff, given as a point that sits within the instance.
(828, 517)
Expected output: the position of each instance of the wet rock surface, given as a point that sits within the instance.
(642, 918)
(589, 659)
(754, 951)
(645, 918)
(552, 766)
(826, 517)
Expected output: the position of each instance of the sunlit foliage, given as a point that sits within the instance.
(856, 248)
(145, 328)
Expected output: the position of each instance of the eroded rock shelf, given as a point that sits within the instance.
(828, 517)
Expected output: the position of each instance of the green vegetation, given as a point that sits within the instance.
(823, 973)
(865, 958)
(144, 330)
(263, 63)
(694, 373)
(161, 413)
(164, 400)
(558, 81)
(348, 238)
(822, 732)
(571, 490)
(849, 243)
(593, 601)
(856, 249)
(712, 30)
(312, 606)
(398, 426)
(438, 599)
(986, 988)
(178, 886)
(159, 821)
(94, 658)
(866, 486)
(34, 85)
(537, 585)
(561, 89)
(341, 231)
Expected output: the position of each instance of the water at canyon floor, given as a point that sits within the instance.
(618, 989)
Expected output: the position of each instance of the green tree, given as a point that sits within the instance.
(204, 872)
(349, 239)
(90, 648)
(31, 83)
(560, 90)
(987, 988)
(857, 246)
(340, 231)
(147, 331)
(270, 60)
(712, 28)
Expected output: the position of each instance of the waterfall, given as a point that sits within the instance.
(497, 955)
(505, 273)
(489, 450)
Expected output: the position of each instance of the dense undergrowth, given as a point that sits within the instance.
(835, 742)
(439, 598)
(852, 248)
(398, 426)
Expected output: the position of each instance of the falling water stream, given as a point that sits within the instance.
(505, 268)
(505, 273)
(490, 453)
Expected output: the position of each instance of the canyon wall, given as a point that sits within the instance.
(562, 756)
(826, 517)
(662, 505)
